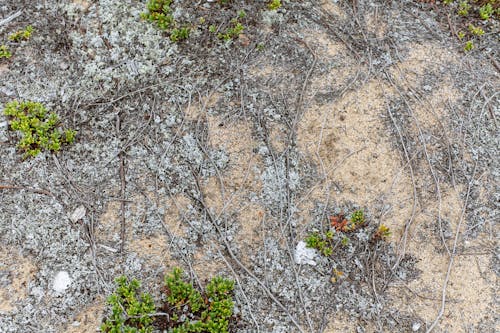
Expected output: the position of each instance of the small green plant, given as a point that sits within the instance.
(190, 311)
(469, 46)
(5, 52)
(274, 5)
(322, 243)
(235, 29)
(357, 219)
(448, 2)
(382, 233)
(160, 13)
(22, 34)
(241, 14)
(486, 11)
(463, 8)
(131, 312)
(345, 241)
(39, 129)
(178, 34)
(476, 31)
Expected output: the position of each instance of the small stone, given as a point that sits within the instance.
(78, 214)
(415, 327)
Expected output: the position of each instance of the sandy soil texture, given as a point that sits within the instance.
(219, 157)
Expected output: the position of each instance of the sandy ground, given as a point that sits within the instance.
(271, 141)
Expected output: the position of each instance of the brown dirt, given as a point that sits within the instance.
(20, 270)
(347, 139)
(88, 320)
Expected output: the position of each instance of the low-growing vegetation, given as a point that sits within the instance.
(22, 35)
(130, 311)
(471, 19)
(161, 14)
(5, 52)
(339, 240)
(235, 28)
(185, 309)
(39, 129)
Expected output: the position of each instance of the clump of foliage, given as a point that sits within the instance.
(131, 312)
(470, 15)
(476, 31)
(160, 13)
(5, 52)
(340, 228)
(178, 34)
(320, 242)
(469, 46)
(345, 235)
(39, 129)
(486, 11)
(235, 28)
(191, 311)
(274, 5)
(22, 34)
(463, 8)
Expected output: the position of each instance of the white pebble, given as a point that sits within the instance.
(61, 282)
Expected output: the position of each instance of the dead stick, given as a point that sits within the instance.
(122, 191)
(34, 190)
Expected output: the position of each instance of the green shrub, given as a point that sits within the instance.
(39, 129)
(322, 243)
(160, 13)
(193, 312)
(383, 232)
(357, 219)
(131, 312)
(338, 232)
